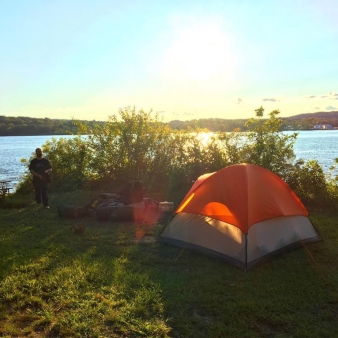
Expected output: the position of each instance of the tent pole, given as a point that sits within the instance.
(246, 251)
(179, 254)
(309, 253)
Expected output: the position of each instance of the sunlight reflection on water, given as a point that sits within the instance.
(321, 145)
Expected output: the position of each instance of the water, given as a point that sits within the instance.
(15, 148)
(321, 145)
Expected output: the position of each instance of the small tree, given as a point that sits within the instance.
(267, 145)
(69, 158)
(132, 146)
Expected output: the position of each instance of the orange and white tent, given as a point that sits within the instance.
(242, 213)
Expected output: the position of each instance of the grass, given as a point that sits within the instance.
(114, 280)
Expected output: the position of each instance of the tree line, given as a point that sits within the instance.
(26, 126)
(297, 122)
(22, 126)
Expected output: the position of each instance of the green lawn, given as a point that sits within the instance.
(114, 280)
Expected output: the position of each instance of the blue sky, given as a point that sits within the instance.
(184, 59)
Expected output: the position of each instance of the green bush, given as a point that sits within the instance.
(267, 145)
(308, 181)
(139, 146)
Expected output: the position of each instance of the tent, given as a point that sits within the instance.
(243, 214)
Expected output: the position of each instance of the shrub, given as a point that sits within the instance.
(267, 145)
(139, 146)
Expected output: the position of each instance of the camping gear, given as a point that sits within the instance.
(107, 207)
(243, 214)
(166, 206)
(120, 212)
(132, 192)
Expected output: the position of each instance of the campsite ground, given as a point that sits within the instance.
(83, 278)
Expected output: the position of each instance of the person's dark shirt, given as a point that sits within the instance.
(39, 166)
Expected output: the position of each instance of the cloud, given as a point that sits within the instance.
(272, 99)
(161, 112)
(317, 107)
(331, 96)
(184, 113)
(331, 108)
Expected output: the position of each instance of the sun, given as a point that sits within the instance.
(200, 52)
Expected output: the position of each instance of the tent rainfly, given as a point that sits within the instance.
(243, 214)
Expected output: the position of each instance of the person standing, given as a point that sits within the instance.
(40, 169)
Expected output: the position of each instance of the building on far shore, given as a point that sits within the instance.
(323, 126)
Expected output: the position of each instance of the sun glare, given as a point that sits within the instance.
(205, 138)
(200, 52)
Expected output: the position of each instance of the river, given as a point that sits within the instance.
(321, 145)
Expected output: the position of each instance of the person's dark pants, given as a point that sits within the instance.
(41, 192)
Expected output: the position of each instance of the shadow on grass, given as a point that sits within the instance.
(114, 279)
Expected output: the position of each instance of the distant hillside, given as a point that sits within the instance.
(297, 122)
(319, 115)
(25, 126)
(22, 126)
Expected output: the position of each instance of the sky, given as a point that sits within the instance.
(185, 60)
